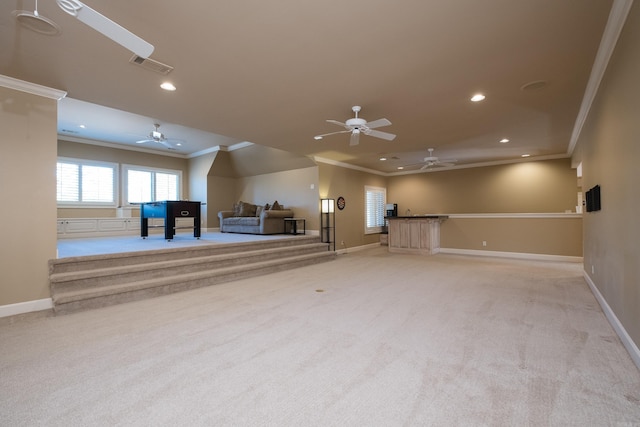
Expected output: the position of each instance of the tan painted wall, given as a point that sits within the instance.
(548, 236)
(337, 181)
(609, 149)
(543, 186)
(295, 189)
(107, 154)
(28, 183)
(199, 168)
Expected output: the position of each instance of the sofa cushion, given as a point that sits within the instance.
(242, 220)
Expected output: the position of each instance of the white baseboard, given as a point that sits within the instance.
(26, 307)
(628, 343)
(518, 255)
(357, 248)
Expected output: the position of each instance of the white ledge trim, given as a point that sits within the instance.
(517, 215)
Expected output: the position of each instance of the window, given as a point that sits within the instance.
(150, 185)
(374, 204)
(86, 183)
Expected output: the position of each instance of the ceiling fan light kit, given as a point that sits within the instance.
(157, 136)
(358, 125)
(36, 22)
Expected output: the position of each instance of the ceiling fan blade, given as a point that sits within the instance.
(335, 122)
(355, 138)
(166, 144)
(378, 123)
(425, 167)
(331, 133)
(379, 134)
(142, 141)
(106, 26)
(445, 164)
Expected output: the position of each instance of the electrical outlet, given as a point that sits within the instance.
(342, 242)
(484, 243)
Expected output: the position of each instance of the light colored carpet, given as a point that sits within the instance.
(108, 245)
(392, 340)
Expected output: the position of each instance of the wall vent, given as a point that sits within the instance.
(151, 65)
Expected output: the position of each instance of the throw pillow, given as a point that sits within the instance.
(247, 209)
(276, 206)
(236, 209)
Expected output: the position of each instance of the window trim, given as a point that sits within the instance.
(86, 162)
(125, 171)
(379, 228)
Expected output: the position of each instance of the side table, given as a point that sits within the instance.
(291, 225)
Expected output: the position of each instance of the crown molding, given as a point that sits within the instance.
(615, 23)
(32, 88)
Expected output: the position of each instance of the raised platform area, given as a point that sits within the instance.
(128, 269)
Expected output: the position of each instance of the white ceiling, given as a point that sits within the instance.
(272, 73)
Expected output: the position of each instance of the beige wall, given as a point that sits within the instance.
(107, 154)
(337, 181)
(542, 186)
(559, 235)
(28, 184)
(294, 189)
(609, 150)
(199, 168)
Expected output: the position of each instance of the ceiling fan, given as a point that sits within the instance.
(358, 125)
(432, 161)
(107, 27)
(157, 136)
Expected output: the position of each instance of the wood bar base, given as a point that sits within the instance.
(415, 234)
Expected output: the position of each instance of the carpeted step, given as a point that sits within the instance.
(81, 283)
(111, 276)
(93, 262)
(101, 296)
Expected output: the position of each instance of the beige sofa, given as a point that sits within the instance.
(248, 218)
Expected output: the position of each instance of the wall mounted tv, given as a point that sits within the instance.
(593, 199)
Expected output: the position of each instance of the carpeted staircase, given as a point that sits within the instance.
(86, 282)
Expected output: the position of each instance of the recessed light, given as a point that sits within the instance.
(400, 167)
(477, 97)
(526, 155)
(317, 137)
(504, 140)
(382, 159)
(168, 86)
(82, 126)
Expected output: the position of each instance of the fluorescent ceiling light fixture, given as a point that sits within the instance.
(477, 97)
(526, 155)
(504, 140)
(382, 159)
(400, 167)
(317, 137)
(168, 86)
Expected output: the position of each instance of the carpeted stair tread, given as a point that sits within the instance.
(70, 264)
(59, 278)
(243, 270)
